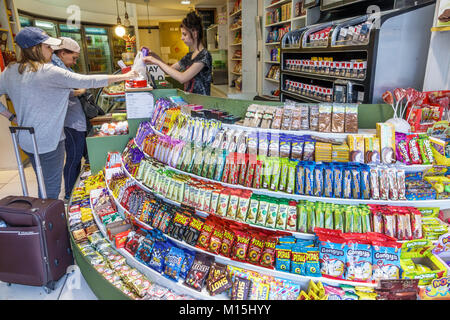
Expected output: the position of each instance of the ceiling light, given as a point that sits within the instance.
(120, 30)
(126, 22)
(185, 2)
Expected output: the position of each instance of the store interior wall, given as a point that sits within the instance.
(172, 47)
(149, 39)
(437, 75)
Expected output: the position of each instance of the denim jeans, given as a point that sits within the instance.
(75, 145)
(52, 167)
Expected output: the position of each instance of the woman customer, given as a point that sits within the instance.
(194, 70)
(65, 56)
(40, 93)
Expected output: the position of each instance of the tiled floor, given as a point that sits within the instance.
(71, 286)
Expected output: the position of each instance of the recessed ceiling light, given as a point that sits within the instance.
(185, 2)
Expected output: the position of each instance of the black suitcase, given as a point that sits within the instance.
(34, 247)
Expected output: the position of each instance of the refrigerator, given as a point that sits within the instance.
(75, 33)
(119, 45)
(98, 50)
(48, 26)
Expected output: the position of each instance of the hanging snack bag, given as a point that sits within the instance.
(283, 257)
(241, 244)
(386, 260)
(255, 248)
(216, 239)
(359, 258)
(227, 241)
(312, 264)
(268, 253)
(298, 261)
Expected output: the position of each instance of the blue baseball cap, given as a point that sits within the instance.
(31, 36)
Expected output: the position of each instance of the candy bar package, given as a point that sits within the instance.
(198, 273)
(402, 150)
(351, 118)
(338, 118)
(173, 263)
(241, 289)
(325, 117)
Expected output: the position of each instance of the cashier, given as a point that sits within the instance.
(194, 70)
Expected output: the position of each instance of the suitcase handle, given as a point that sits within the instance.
(20, 200)
(14, 129)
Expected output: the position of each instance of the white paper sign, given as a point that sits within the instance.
(139, 105)
(156, 72)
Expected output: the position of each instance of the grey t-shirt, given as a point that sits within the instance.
(40, 100)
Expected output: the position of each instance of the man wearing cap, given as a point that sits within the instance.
(65, 56)
(40, 93)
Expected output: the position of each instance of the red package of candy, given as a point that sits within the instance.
(255, 248)
(205, 234)
(227, 241)
(258, 173)
(268, 253)
(241, 243)
(215, 241)
(416, 223)
(414, 149)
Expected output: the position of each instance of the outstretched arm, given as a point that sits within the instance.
(181, 77)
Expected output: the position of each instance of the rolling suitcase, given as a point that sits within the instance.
(34, 246)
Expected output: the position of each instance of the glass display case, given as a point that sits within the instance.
(98, 50)
(47, 26)
(75, 33)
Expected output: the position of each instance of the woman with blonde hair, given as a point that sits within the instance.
(40, 93)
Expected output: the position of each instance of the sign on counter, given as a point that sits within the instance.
(139, 104)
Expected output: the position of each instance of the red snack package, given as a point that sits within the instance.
(205, 234)
(268, 253)
(227, 168)
(416, 223)
(414, 149)
(240, 247)
(258, 173)
(233, 176)
(390, 224)
(255, 248)
(227, 242)
(243, 161)
(215, 241)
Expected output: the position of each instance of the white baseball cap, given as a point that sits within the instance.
(68, 44)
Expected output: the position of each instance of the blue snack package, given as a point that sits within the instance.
(359, 261)
(386, 260)
(144, 251)
(337, 180)
(328, 180)
(159, 252)
(298, 261)
(300, 178)
(312, 264)
(287, 240)
(309, 178)
(283, 257)
(318, 180)
(189, 257)
(356, 182)
(332, 257)
(365, 182)
(173, 262)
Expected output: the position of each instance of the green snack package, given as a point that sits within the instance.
(262, 211)
(311, 219)
(348, 220)
(267, 171)
(284, 164)
(253, 209)
(212, 166)
(365, 219)
(357, 224)
(302, 218)
(283, 211)
(338, 219)
(208, 156)
(197, 166)
(320, 215)
(272, 213)
(275, 176)
(329, 218)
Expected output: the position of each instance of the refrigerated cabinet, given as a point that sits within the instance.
(75, 33)
(98, 50)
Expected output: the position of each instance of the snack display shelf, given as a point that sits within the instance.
(235, 13)
(299, 96)
(278, 23)
(272, 80)
(319, 76)
(272, 43)
(300, 235)
(147, 271)
(443, 204)
(275, 273)
(276, 4)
